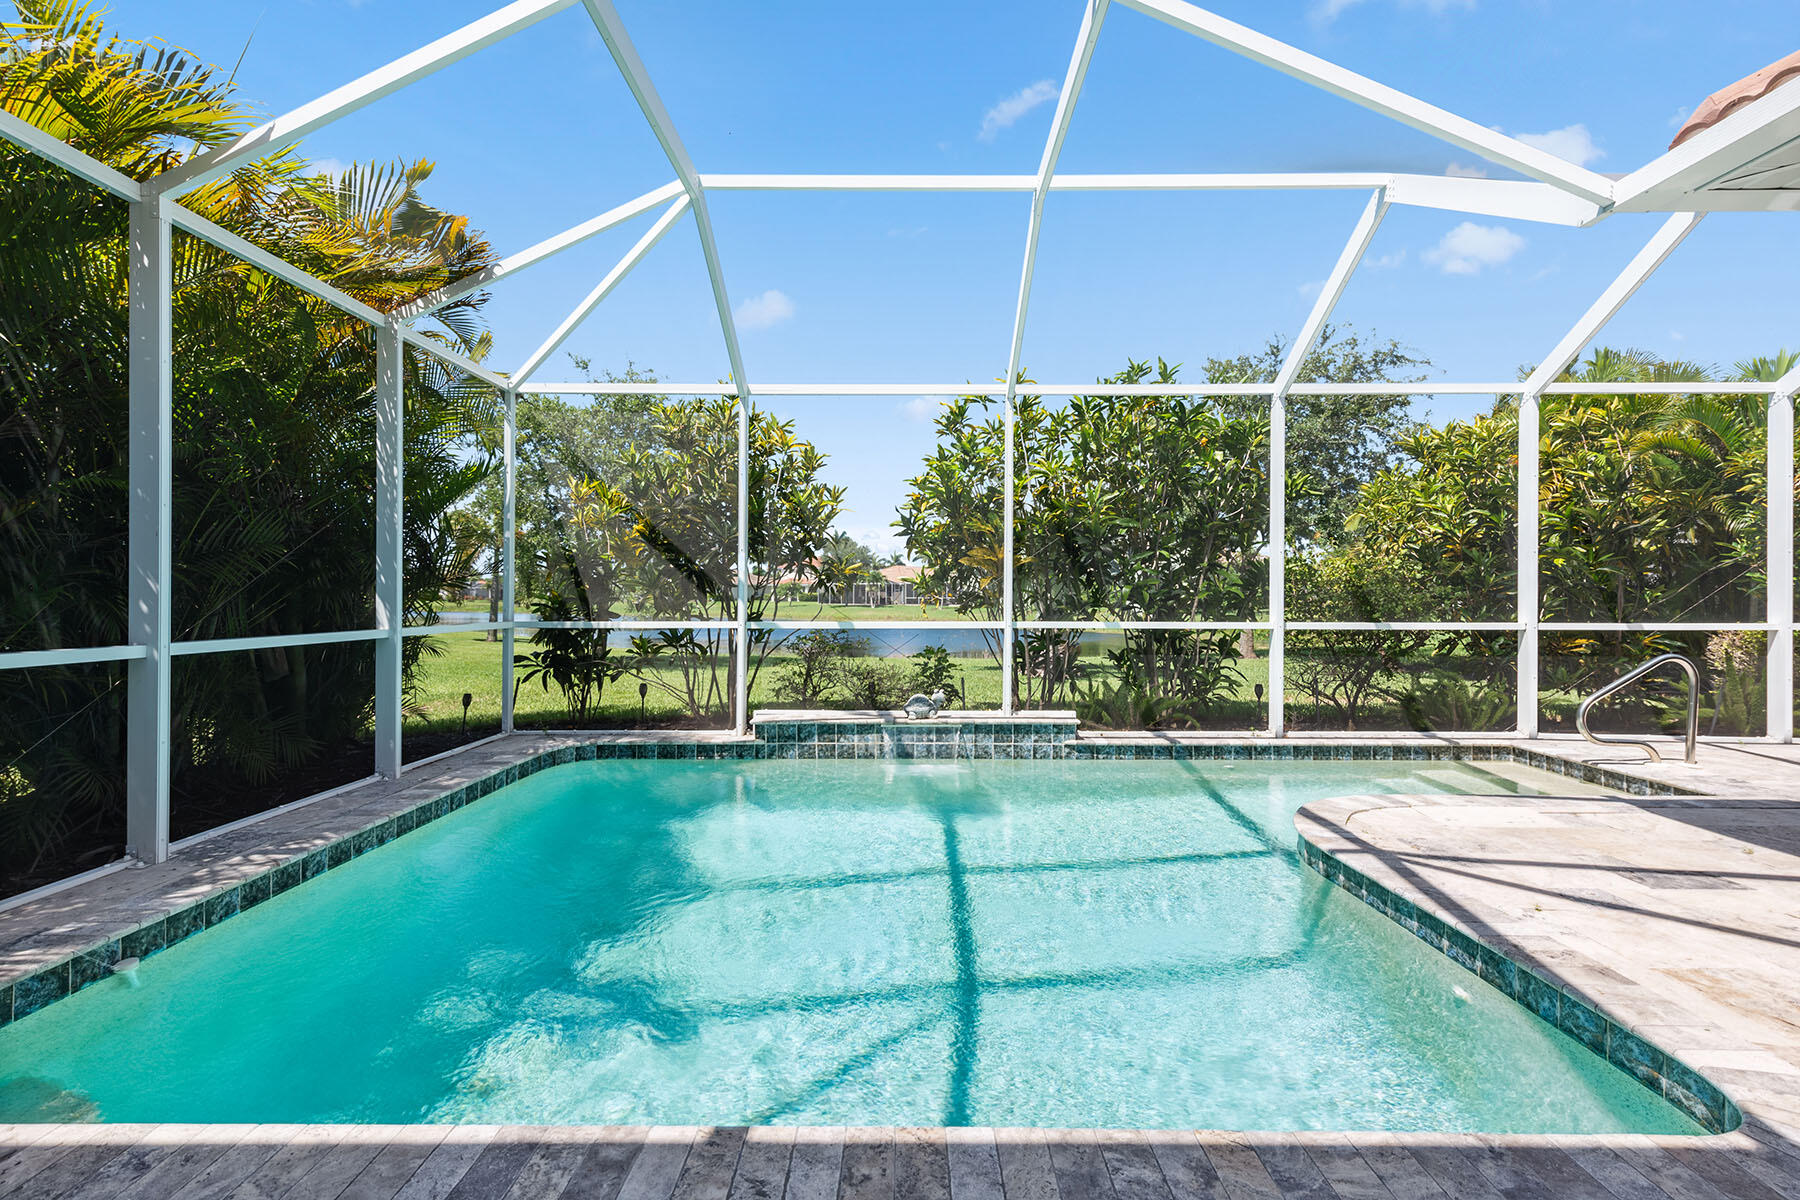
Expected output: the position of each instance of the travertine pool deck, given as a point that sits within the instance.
(1679, 916)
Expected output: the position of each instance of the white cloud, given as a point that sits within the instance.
(331, 168)
(1326, 11)
(1004, 114)
(921, 408)
(1572, 142)
(1680, 117)
(1458, 171)
(1311, 289)
(1387, 262)
(1469, 247)
(759, 312)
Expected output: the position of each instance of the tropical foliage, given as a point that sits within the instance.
(273, 428)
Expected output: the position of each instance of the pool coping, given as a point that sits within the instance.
(238, 881)
(1553, 1001)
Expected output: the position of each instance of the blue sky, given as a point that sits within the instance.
(539, 133)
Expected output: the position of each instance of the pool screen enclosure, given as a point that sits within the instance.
(1685, 183)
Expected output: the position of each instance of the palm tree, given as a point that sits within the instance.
(274, 419)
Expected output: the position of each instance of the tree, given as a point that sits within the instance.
(273, 508)
(1341, 441)
(1129, 508)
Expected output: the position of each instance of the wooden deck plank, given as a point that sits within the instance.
(394, 1164)
(124, 1171)
(29, 1161)
(762, 1167)
(921, 1164)
(974, 1164)
(289, 1164)
(546, 1173)
(1779, 1171)
(1079, 1165)
(222, 1176)
(1671, 1176)
(1132, 1166)
(1345, 1168)
(1239, 1168)
(605, 1164)
(492, 1173)
(187, 1151)
(1186, 1169)
(1025, 1169)
(78, 1163)
(1296, 1175)
(814, 1168)
(711, 1164)
(1456, 1175)
(444, 1168)
(867, 1171)
(1392, 1161)
(1614, 1173)
(1564, 1175)
(1510, 1178)
(658, 1164)
(1721, 1169)
(356, 1149)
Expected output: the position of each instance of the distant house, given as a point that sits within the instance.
(896, 585)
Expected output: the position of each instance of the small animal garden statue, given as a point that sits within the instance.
(923, 706)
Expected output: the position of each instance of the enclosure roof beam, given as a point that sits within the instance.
(1085, 41)
(280, 268)
(285, 130)
(618, 43)
(1523, 200)
(548, 248)
(1347, 262)
(592, 301)
(1661, 244)
(443, 354)
(951, 390)
(48, 146)
(1788, 384)
(1389, 102)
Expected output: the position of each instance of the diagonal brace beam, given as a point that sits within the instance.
(548, 248)
(1643, 264)
(592, 301)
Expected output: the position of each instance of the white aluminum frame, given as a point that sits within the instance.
(1557, 192)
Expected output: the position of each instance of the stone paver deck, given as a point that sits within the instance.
(1679, 916)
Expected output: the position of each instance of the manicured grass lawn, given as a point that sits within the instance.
(469, 663)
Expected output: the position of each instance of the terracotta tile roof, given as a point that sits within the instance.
(1724, 102)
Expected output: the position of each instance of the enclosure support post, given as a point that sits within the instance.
(1779, 671)
(1333, 290)
(1526, 567)
(740, 647)
(1642, 265)
(507, 576)
(1085, 41)
(151, 503)
(390, 387)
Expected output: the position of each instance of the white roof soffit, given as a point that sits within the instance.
(1748, 162)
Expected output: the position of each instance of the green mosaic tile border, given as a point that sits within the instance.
(1025, 740)
(1651, 1066)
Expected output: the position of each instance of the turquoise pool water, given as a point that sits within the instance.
(1037, 943)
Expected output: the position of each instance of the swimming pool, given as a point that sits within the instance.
(1116, 944)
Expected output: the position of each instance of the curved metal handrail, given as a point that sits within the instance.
(1625, 681)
